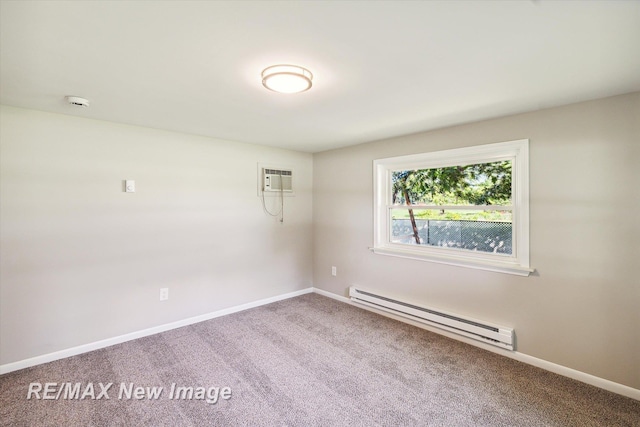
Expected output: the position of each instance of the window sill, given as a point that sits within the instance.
(460, 261)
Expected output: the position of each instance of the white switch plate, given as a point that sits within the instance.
(130, 186)
(334, 271)
(164, 294)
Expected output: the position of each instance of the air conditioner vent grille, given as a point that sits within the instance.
(277, 180)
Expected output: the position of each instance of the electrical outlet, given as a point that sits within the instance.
(164, 294)
(334, 271)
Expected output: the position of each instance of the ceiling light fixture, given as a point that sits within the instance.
(287, 78)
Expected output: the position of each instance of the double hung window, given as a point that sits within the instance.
(466, 207)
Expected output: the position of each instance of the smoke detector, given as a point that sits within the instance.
(77, 101)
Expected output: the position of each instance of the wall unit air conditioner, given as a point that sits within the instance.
(280, 180)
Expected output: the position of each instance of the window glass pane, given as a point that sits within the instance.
(475, 184)
(473, 230)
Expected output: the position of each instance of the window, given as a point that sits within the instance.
(467, 207)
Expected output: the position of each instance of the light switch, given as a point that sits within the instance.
(130, 186)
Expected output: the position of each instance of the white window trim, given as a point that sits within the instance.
(516, 151)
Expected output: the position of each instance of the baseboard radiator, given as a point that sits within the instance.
(482, 331)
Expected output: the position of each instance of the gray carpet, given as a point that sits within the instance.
(311, 361)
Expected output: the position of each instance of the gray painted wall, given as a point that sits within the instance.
(82, 261)
(581, 309)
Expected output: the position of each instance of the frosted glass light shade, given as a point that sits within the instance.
(287, 78)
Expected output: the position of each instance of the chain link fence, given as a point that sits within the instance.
(483, 236)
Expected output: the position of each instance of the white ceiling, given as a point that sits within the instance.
(381, 69)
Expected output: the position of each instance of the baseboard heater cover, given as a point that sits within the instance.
(482, 331)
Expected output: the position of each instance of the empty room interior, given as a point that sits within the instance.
(400, 213)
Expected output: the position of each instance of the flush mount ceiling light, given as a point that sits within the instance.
(287, 78)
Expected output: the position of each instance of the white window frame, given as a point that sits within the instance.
(517, 151)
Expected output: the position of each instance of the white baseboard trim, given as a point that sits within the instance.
(330, 295)
(521, 357)
(84, 348)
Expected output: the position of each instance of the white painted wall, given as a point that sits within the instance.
(82, 261)
(581, 307)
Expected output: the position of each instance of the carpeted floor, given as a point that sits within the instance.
(307, 361)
